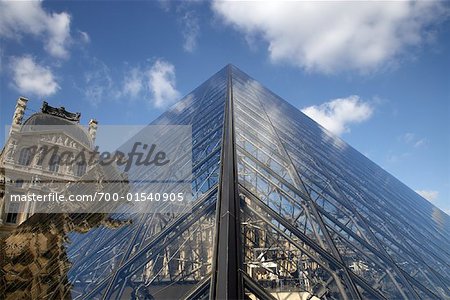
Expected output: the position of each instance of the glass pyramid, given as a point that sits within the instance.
(282, 210)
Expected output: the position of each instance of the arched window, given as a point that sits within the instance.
(81, 168)
(19, 183)
(53, 164)
(11, 216)
(25, 157)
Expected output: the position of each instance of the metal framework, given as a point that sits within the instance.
(282, 210)
(226, 281)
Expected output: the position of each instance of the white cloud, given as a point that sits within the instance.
(28, 17)
(336, 115)
(420, 143)
(84, 37)
(191, 30)
(31, 78)
(329, 37)
(99, 84)
(133, 83)
(188, 20)
(165, 5)
(153, 83)
(395, 158)
(161, 82)
(59, 30)
(429, 195)
(408, 137)
(412, 139)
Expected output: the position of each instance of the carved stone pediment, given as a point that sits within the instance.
(62, 139)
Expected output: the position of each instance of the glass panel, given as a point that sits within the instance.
(382, 231)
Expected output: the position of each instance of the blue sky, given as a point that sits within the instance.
(375, 73)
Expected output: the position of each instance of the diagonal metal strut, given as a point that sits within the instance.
(226, 278)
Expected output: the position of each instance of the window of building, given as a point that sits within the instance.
(25, 157)
(19, 183)
(11, 217)
(81, 169)
(53, 165)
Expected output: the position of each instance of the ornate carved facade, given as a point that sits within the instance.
(26, 169)
(34, 261)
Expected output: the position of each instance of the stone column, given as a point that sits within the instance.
(19, 112)
(93, 129)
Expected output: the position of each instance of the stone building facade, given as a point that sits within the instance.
(23, 169)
